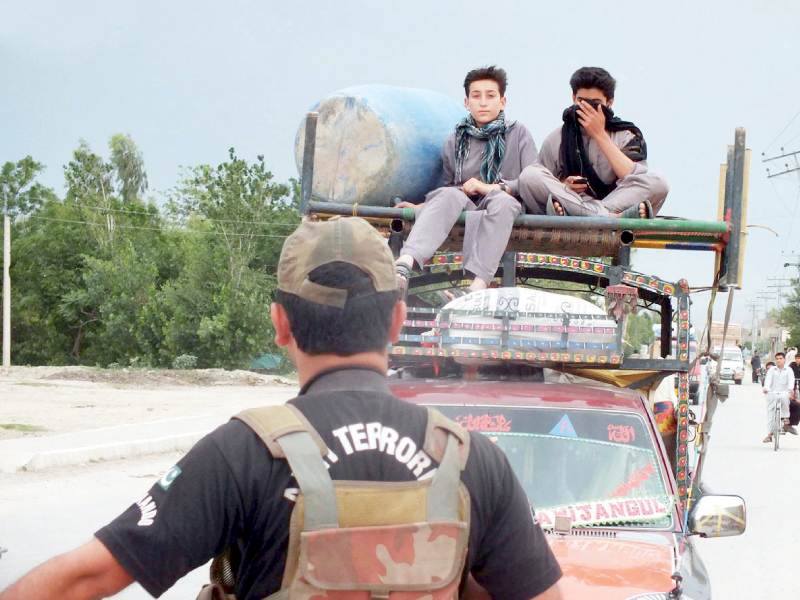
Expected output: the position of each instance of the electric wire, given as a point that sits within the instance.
(781, 133)
(165, 230)
(150, 214)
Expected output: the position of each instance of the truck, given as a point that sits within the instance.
(733, 336)
(611, 472)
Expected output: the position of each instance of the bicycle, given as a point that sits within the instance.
(777, 424)
(777, 421)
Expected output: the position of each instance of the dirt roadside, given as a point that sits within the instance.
(55, 400)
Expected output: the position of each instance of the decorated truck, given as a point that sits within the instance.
(612, 466)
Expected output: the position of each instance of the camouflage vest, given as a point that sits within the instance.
(360, 540)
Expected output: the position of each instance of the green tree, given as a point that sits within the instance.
(235, 218)
(128, 164)
(19, 191)
(639, 331)
(83, 262)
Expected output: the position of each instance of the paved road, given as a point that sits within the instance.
(45, 513)
(758, 564)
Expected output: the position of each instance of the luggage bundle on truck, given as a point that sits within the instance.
(362, 150)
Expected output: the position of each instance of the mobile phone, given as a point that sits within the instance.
(579, 180)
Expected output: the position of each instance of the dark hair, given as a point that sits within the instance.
(593, 77)
(770, 363)
(361, 326)
(494, 73)
(777, 354)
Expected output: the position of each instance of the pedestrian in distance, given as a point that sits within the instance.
(755, 365)
(482, 161)
(236, 492)
(595, 164)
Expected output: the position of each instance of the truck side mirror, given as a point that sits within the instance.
(718, 516)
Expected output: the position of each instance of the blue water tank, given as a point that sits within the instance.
(379, 142)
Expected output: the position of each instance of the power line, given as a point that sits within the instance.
(781, 133)
(139, 212)
(192, 231)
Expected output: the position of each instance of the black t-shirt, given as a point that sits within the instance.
(795, 369)
(229, 490)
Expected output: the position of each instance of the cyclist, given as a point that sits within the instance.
(777, 385)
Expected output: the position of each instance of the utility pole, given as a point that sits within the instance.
(772, 342)
(786, 168)
(6, 285)
(781, 283)
(766, 297)
(753, 305)
(793, 264)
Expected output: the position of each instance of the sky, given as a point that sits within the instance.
(189, 80)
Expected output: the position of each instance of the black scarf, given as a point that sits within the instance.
(575, 161)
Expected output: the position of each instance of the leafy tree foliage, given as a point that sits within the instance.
(19, 192)
(103, 276)
(639, 331)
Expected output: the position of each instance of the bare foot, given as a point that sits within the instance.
(406, 260)
(642, 211)
(478, 284)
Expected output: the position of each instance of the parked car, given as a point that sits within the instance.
(597, 473)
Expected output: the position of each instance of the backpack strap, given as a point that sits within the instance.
(272, 422)
(436, 439)
(448, 444)
(288, 434)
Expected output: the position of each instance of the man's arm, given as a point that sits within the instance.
(86, 573)
(767, 382)
(475, 591)
(594, 123)
(449, 160)
(552, 593)
(528, 155)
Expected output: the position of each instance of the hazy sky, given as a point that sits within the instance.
(188, 80)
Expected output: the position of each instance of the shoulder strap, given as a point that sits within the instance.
(436, 437)
(447, 443)
(272, 422)
(288, 434)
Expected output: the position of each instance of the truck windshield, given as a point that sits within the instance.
(568, 458)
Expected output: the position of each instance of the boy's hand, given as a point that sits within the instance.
(475, 187)
(578, 188)
(406, 204)
(593, 120)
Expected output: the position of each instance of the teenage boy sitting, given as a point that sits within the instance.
(482, 161)
(594, 165)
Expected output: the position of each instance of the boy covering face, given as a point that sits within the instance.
(595, 164)
(482, 159)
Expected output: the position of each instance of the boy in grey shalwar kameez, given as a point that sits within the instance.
(595, 164)
(482, 161)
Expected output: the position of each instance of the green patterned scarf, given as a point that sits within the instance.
(495, 135)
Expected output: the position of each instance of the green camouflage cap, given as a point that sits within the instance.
(340, 239)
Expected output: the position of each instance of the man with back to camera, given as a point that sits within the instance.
(595, 164)
(335, 312)
(482, 161)
(777, 385)
(755, 365)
